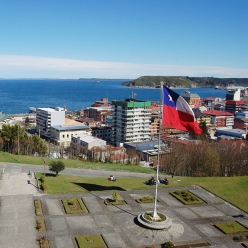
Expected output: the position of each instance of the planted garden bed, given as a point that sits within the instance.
(186, 197)
(115, 200)
(38, 208)
(146, 199)
(232, 227)
(74, 206)
(43, 242)
(90, 241)
(110, 202)
(40, 225)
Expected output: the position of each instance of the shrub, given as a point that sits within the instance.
(147, 198)
(42, 178)
(56, 166)
(185, 192)
(115, 196)
(42, 239)
(169, 244)
(72, 202)
(38, 225)
(239, 238)
(192, 198)
(177, 192)
(43, 186)
(188, 198)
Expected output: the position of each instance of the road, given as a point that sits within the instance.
(25, 168)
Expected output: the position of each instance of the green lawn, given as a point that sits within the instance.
(90, 241)
(72, 163)
(232, 189)
(72, 184)
(230, 227)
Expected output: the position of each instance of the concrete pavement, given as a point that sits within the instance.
(117, 224)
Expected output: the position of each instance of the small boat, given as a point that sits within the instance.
(96, 82)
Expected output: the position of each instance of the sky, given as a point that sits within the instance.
(123, 38)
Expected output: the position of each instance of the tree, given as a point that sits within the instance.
(56, 166)
(175, 159)
(204, 128)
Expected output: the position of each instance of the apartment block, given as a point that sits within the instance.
(47, 117)
(130, 121)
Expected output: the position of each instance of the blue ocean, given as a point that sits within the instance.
(16, 96)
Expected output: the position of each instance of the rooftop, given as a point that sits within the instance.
(217, 113)
(70, 127)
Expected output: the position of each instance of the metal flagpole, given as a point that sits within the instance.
(155, 214)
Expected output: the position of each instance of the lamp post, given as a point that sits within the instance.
(18, 142)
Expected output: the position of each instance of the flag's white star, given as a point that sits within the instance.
(170, 98)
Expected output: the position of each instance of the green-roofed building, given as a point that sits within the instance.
(130, 121)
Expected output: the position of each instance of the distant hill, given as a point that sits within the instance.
(185, 82)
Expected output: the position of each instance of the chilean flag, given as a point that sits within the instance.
(177, 113)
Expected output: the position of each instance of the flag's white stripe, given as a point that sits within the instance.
(182, 105)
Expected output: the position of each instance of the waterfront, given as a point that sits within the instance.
(16, 96)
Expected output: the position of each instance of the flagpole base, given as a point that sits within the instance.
(154, 224)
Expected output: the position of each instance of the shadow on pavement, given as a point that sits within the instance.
(96, 187)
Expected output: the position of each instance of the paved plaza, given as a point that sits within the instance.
(117, 224)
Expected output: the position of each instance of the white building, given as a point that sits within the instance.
(47, 117)
(130, 121)
(62, 134)
(84, 142)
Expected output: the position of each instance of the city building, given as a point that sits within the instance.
(231, 133)
(84, 142)
(148, 151)
(202, 117)
(102, 132)
(233, 95)
(213, 103)
(102, 103)
(155, 120)
(61, 134)
(47, 117)
(99, 114)
(130, 121)
(94, 149)
(220, 118)
(193, 100)
(234, 106)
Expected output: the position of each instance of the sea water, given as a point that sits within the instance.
(16, 96)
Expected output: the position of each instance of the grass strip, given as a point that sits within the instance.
(38, 208)
(73, 163)
(90, 241)
(230, 227)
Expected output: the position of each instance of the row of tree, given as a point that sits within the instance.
(14, 139)
(207, 159)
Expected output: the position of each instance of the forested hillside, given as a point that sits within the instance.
(187, 82)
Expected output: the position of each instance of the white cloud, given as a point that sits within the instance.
(13, 66)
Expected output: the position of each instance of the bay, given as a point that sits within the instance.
(16, 96)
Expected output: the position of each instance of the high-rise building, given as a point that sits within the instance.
(130, 121)
(47, 117)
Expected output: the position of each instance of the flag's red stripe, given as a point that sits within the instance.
(180, 120)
